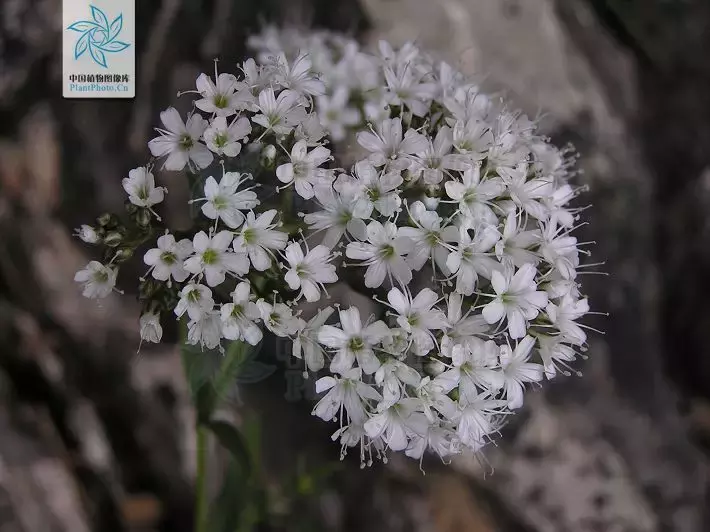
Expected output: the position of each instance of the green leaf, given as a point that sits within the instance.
(231, 439)
(205, 403)
(237, 354)
(227, 509)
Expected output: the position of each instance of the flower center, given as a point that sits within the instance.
(249, 235)
(210, 256)
(168, 257)
(220, 101)
(186, 142)
(220, 140)
(433, 162)
(387, 251)
(301, 168)
(237, 311)
(373, 194)
(100, 276)
(432, 238)
(220, 203)
(193, 296)
(274, 119)
(469, 197)
(356, 344)
(344, 217)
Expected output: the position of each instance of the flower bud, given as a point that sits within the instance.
(87, 234)
(105, 220)
(430, 203)
(268, 156)
(113, 239)
(143, 217)
(435, 367)
(151, 331)
(123, 254)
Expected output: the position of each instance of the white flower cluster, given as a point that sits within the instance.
(454, 194)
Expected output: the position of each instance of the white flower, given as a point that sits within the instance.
(472, 139)
(180, 141)
(563, 316)
(382, 254)
(516, 370)
(298, 76)
(220, 98)
(196, 300)
(462, 326)
(212, 258)
(437, 157)
(527, 194)
(223, 138)
(475, 362)
(257, 237)
(514, 246)
(309, 272)
(387, 146)
(428, 237)
(98, 280)
(303, 170)
(341, 212)
(372, 189)
(553, 352)
(279, 114)
(440, 440)
(310, 130)
(472, 259)
(87, 234)
(141, 189)
(278, 318)
(224, 201)
(433, 395)
(506, 152)
(475, 196)
(405, 87)
(353, 342)
(560, 250)
(397, 424)
(150, 328)
(206, 330)
(240, 316)
(477, 420)
(168, 258)
(334, 113)
(418, 317)
(466, 102)
(555, 204)
(394, 375)
(347, 392)
(517, 298)
(306, 345)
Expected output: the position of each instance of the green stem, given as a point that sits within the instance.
(201, 499)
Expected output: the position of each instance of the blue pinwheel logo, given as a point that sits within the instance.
(98, 37)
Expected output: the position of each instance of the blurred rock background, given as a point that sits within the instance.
(95, 438)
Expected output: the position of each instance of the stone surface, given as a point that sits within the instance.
(608, 451)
